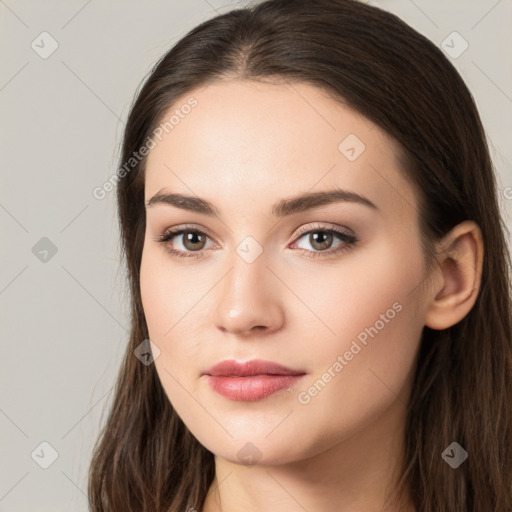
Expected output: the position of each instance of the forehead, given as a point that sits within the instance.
(254, 141)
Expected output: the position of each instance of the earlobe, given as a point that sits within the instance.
(460, 266)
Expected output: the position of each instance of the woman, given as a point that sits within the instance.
(321, 313)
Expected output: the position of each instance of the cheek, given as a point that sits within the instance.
(167, 295)
(171, 300)
(376, 319)
(165, 307)
(153, 294)
(372, 299)
(368, 283)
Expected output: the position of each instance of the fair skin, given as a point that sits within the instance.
(244, 148)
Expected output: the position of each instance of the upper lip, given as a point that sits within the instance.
(231, 368)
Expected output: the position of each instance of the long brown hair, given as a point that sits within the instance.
(146, 459)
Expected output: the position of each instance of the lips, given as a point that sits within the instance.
(250, 381)
(256, 367)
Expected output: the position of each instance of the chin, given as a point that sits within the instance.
(250, 448)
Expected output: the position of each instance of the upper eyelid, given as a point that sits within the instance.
(330, 227)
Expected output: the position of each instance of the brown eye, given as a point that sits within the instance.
(193, 240)
(320, 240)
(184, 242)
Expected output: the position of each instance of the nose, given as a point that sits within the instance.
(249, 299)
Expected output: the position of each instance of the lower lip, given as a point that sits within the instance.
(250, 389)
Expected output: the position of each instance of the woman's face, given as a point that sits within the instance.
(264, 278)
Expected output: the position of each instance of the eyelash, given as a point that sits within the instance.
(348, 241)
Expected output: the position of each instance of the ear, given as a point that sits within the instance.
(460, 263)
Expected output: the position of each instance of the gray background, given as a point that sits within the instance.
(64, 320)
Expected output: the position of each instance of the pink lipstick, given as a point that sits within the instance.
(250, 381)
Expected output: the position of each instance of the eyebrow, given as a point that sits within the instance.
(282, 208)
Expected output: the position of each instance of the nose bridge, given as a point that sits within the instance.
(249, 294)
(248, 271)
